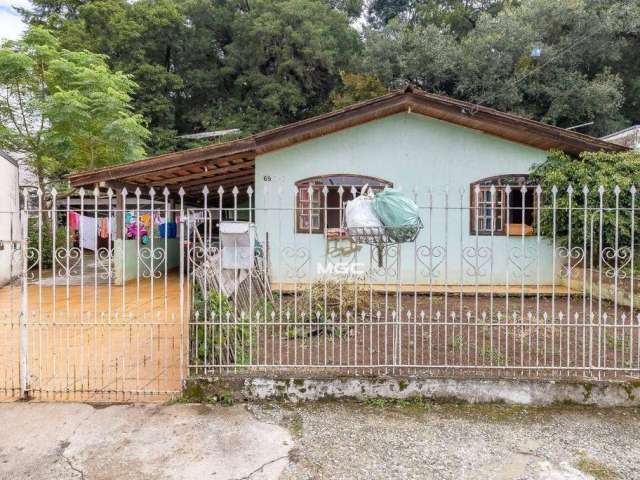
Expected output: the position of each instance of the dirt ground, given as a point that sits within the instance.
(446, 335)
(82, 347)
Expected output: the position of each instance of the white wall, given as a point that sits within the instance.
(10, 258)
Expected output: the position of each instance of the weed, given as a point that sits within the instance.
(403, 403)
(494, 357)
(597, 470)
(456, 343)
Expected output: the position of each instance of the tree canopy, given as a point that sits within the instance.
(254, 64)
(66, 109)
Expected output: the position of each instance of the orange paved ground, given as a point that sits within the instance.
(83, 349)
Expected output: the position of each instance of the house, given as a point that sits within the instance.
(629, 137)
(465, 165)
(10, 232)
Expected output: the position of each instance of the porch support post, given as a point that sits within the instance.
(120, 208)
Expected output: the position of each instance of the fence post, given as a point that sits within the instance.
(181, 193)
(24, 306)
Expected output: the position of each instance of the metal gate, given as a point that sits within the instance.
(91, 315)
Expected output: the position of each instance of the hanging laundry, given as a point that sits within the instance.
(88, 232)
(146, 220)
(73, 220)
(103, 228)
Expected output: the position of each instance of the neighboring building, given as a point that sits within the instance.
(629, 137)
(432, 147)
(10, 259)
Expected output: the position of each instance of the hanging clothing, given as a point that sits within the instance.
(103, 228)
(88, 233)
(73, 220)
(146, 220)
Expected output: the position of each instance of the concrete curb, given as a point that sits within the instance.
(517, 391)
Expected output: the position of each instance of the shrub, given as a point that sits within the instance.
(591, 169)
(223, 339)
(46, 252)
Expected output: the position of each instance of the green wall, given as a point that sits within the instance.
(134, 257)
(430, 160)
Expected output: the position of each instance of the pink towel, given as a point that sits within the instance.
(74, 220)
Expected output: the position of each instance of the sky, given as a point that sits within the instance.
(10, 24)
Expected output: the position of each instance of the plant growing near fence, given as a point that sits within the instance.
(222, 335)
(315, 303)
(45, 249)
(591, 169)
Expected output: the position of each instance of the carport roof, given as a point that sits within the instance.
(232, 163)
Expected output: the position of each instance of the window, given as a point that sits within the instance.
(314, 214)
(501, 212)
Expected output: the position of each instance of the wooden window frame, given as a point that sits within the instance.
(500, 183)
(318, 183)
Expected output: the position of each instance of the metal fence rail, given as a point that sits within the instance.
(500, 280)
(556, 298)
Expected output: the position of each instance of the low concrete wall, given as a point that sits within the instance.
(611, 290)
(522, 392)
(130, 247)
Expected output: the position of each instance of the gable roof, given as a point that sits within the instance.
(629, 137)
(231, 163)
(8, 158)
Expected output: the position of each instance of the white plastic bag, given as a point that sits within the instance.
(360, 213)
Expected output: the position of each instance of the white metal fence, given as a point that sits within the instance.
(541, 285)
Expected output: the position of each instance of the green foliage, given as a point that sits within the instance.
(205, 65)
(209, 65)
(592, 170)
(285, 60)
(221, 337)
(459, 15)
(586, 71)
(356, 87)
(66, 109)
(41, 240)
(426, 56)
(352, 8)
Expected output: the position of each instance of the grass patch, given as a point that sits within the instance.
(398, 403)
(596, 469)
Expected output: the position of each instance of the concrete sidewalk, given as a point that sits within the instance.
(69, 441)
(322, 440)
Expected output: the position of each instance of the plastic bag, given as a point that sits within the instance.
(359, 213)
(398, 213)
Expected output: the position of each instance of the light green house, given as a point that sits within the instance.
(465, 166)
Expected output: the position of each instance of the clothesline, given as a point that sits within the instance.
(91, 228)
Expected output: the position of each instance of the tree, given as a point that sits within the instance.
(591, 170)
(550, 60)
(563, 63)
(352, 8)
(423, 55)
(285, 60)
(142, 39)
(66, 110)
(214, 64)
(205, 65)
(356, 87)
(458, 16)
